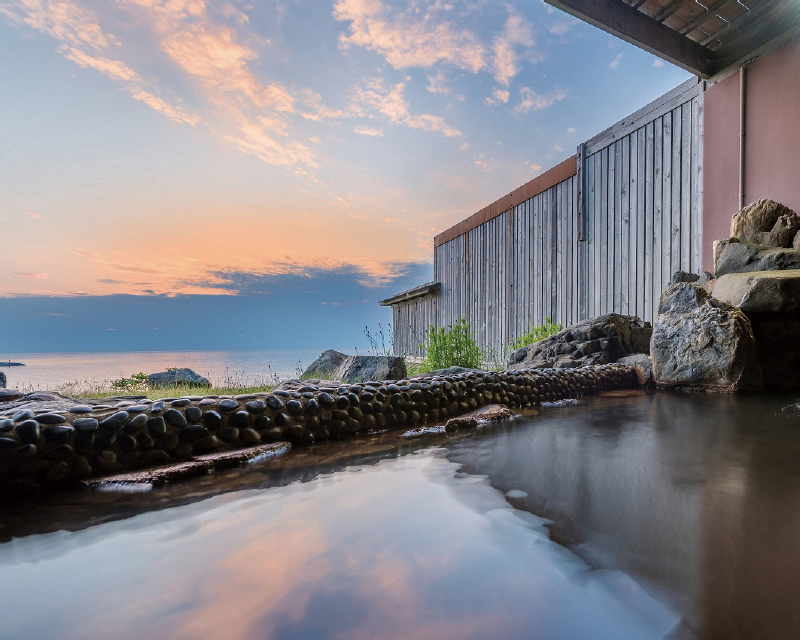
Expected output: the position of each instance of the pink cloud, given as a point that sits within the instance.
(391, 102)
(410, 37)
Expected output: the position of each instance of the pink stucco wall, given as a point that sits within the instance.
(772, 141)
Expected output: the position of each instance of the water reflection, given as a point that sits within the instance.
(402, 549)
(681, 512)
(696, 496)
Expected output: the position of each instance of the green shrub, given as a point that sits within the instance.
(452, 346)
(137, 382)
(537, 333)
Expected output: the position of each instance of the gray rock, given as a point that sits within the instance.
(761, 291)
(796, 243)
(325, 366)
(3, 380)
(683, 276)
(166, 379)
(701, 343)
(784, 231)
(707, 281)
(642, 364)
(598, 340)
(765, 222)
(333, 365)
(738, 257)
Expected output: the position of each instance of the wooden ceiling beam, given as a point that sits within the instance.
(777, 21)
(696, 22)
(623, 21)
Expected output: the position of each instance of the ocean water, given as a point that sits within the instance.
(244, 368)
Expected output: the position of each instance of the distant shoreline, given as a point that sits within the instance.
(12, 364)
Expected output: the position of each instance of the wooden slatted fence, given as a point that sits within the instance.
(605, 239)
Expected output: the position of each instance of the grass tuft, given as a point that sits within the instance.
(535, 334)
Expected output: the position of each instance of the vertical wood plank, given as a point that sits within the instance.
(658, 204)
(591, 212)
(625, 214)
(686, 190)
(666, 197)
(675, 257)
(697, 183)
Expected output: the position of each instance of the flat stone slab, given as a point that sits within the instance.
(490, 413)
(191, 468)
(761, 291)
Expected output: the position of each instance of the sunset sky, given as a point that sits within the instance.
(173, 154)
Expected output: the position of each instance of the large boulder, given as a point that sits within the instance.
(701, 343)
(732, 256)
(175, 377)
(326, 365)
(3, 380)
(597, 340)
(334, 365)
(761, 291)
(766, 222)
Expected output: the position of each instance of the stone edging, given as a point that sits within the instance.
(91, 441)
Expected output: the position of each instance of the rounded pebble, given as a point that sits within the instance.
(58, 433)
(193, 432)
(81, 408)
(7, 445)
(50, 418)
(240, 420)
(175, 418)
(256, 406)
(114, 421)
(29, 431)
(294, 408)
(138, 422)
(228, 405)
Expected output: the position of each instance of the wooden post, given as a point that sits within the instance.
(580, 177)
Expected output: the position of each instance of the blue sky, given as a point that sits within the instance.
(164, 149)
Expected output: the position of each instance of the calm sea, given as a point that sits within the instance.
(243, 368)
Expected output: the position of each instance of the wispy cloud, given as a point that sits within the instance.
(615, 62)
(83, 42)
(532, 101)
(517, 33)
(499, 96)
(425, 35)
(390, 102)
(419, 35)
(658, 64)
(562, 28)
(368, 131)
(32, 276)
(34, 216)
(437, 84)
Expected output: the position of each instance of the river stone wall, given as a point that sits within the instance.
(84, 441)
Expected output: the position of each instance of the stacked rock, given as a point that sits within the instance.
(96, 440)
